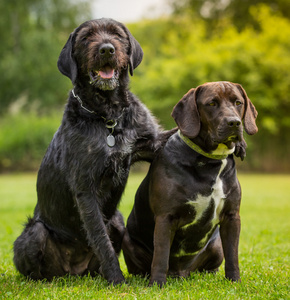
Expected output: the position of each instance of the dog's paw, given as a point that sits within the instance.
(117, 281)
(162, 139)
(115, 278)
(233, 276)
(159, 282)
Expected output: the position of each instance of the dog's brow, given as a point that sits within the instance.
(120, 32)
(222, 85)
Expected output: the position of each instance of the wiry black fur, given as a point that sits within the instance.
(76, 227)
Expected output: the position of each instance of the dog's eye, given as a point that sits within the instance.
(118, 36)
(238, 103)
(212, 103)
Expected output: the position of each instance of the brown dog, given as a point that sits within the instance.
(186, 212)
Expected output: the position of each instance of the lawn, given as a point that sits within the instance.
(264, 249)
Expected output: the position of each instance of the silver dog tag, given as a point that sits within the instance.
(111, 140)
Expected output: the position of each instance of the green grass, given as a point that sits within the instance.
(264, 249)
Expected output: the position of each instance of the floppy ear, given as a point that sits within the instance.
(136, 52)
(250, 113)
(66, 63)
(186, 116)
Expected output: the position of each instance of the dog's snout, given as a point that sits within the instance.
(107, 50)
(233, 122)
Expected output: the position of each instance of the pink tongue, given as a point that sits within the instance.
(107, 73)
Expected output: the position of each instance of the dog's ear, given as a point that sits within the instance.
(250, 113)
(186, 116)
(135, 52)
(66, 63)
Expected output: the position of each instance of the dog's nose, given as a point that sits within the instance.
(107, 50)
(233, 122)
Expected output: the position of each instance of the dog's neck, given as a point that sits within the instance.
(88, 109)
(93, 102)
(221, 152)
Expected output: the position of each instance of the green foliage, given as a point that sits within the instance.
(238, 12)
(257, 59)
(185, 58)
(24, 139)
(32, 35)
(179, 54)
(263, 250)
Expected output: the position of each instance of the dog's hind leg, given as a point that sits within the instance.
(137, 259)
(211, 256)
(116, 230)
(29, 249)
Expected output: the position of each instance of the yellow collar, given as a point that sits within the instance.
(221, 152)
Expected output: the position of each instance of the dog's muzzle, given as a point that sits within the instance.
(104, 79)
(229, 132)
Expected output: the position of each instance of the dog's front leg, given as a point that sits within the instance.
(162, 244)
(98, 238)
(230, 234)
(147, 148)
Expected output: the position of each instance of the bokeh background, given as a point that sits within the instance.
(185, 43)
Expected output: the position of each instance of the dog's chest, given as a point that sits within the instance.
(204, 214)
(209, 206)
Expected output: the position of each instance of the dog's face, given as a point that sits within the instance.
(214, 113)
(221, 109)
(99, 52)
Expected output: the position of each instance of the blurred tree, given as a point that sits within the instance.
(180, 55)
(32, 33)
(238, 11)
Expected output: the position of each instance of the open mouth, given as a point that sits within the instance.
(106, 78)
(107, 72)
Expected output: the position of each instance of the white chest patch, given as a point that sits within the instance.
(201, 203)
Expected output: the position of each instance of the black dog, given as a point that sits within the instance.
(191, 188)
(76, 228)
